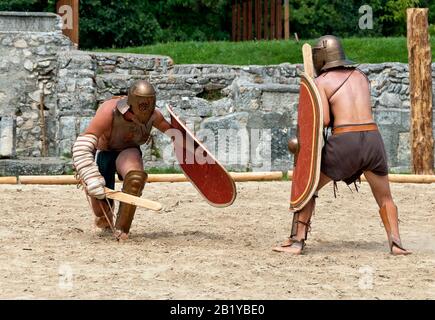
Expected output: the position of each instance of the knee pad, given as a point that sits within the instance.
(134, 183)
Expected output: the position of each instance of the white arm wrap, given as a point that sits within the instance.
(83, 160)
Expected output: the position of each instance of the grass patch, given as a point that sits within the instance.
(285, 176)
(155, 170)
(69, 171)
(66, 155)
(361, 50)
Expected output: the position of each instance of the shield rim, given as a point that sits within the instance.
(223, 205)
(313, 90)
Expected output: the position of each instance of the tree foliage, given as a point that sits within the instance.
(199, 20)
(107, 23)
(120, 23)
(27, 5)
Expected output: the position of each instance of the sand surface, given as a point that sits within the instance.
(49, 248)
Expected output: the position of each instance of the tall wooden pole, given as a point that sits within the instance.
(257, 19)
(44, 149)
(250, 20)
(233, 21)
(69, 11)
(266, 20)
(286, 20)
(245, 20)
(272, 19)
(279, 19)
(239, 21)
(420, 78)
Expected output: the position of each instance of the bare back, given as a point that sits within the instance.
(351, 104)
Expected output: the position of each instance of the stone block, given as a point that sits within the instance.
(404, 150)
(7, 137)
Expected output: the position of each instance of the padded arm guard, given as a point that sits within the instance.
(83, 160)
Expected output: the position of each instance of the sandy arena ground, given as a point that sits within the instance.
(49, 248)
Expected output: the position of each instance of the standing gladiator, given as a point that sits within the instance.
(355, 146)
(120, 126)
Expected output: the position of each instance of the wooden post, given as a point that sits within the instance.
(44, 149)
(8, 180)
(69, 11)
(257, 20)
(272, 19)
(239, 22)
(279, 19)
(250, 20)
(234, 21)
(286, 20)
(420, 78)
(70, 179)
(265, 20)
(245, 20)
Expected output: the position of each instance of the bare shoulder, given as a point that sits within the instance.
(330, 79)
(102, 120)
(320, 82)
(107, 107)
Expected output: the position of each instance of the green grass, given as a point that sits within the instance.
(361, 50)
(155, 170)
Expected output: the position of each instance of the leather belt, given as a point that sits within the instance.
(355, 128)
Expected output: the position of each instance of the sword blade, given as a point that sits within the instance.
(133, 200)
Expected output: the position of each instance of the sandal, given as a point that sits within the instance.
(388, 212)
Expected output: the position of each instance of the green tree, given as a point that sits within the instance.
(122, 23)
(393, 16)
(27, 5)
(200, 20)
(313, 18)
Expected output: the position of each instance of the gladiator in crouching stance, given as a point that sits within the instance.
(355, 146)
(120, 126)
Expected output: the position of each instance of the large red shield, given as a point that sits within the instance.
(306, 171)
(202, 169)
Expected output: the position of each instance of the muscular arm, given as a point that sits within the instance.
(325, 103)
(84, 151)
(160, 122)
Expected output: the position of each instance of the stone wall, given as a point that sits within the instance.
(251, 108)
(238, 101)
(28, 68)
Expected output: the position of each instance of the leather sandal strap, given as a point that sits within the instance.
(306, 224)
(293, 242)
(397, 243)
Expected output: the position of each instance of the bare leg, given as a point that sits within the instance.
(100, 218)
(303, 222)
(380, 187)
(128, 160)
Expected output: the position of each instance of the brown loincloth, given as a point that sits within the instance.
(345, 156)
